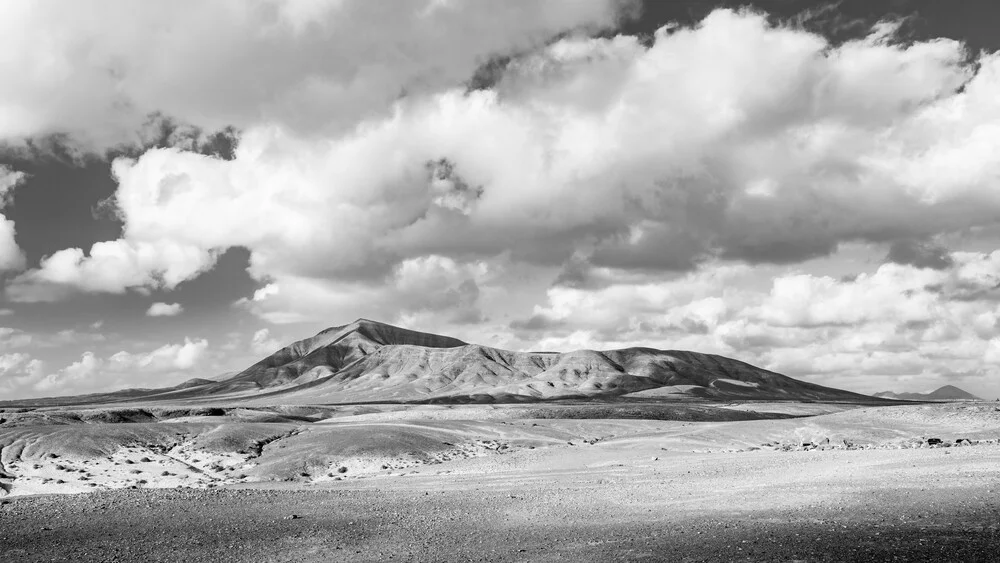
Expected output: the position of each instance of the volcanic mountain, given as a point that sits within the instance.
(946, 393)
(368, 361)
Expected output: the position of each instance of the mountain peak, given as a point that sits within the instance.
(385, 334)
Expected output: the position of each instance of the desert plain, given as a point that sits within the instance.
(715, 462)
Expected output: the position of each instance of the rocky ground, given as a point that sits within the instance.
(850, 485)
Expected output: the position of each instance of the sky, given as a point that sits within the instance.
(810, 187)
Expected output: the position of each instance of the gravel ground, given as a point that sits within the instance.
(875, 505)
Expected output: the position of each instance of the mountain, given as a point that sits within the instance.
(368, 361)
(946, 393)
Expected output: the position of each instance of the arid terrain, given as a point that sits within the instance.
(692, 458)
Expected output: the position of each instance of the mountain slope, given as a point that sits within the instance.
(367, 361)
(946, 393)
(333, 350)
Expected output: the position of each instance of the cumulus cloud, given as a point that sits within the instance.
(168, 357)
(898, 325)
(111, 267)
(11, 256)
(627, 155)
(313, 65)
(159, 367)
(71, 377)
(18, 370)
(263, 344)
(436, 286)
(164, 310)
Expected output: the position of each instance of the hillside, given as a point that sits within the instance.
(371, 362)
(368, 361)
(946, 393)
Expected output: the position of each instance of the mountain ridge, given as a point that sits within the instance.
(372, 362)
(944, 393)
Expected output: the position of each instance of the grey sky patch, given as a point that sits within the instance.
(535, 324)
(775, 251)
(920, 254)
(657, 248)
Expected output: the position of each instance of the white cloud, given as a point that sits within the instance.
(18, 370)
(10, 361)
(166, 358)
(896, 326)
(432, 285)
(624, 155)
(112, 267)
(76, 375)
(13, 338)
(315, 65)
(164, 310)
(11, 256)
(263, 344)
(157, 368)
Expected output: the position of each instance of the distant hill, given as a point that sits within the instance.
(946, 393)
(368, 361)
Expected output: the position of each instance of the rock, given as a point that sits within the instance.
(933, 441)
(292, 517)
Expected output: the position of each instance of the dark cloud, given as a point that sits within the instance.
(576, 274)
(659, 248)
(919, 254)
(788, 251)
(536, 323)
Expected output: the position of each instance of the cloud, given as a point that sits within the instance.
(920, 254)
(76, 375)
(13, 338)
(164, 310)
(18, 370)
(897, 325)
(312, 65)
(11, 256)
(165, 358)
(157, 368)
(262, 344)
(111, 267)
(608, 151)
(431, 286)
